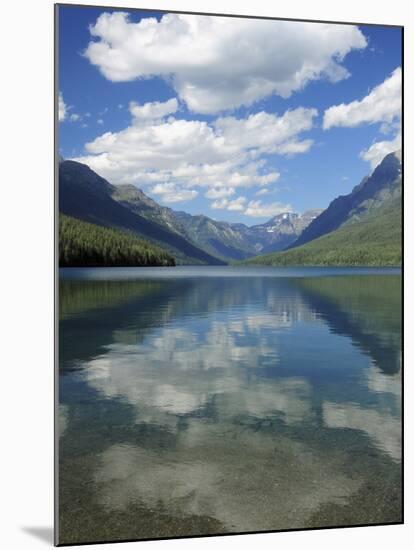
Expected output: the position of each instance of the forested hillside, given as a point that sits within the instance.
(84, 195)
(83, 244)
(375, 240)
(374, 191)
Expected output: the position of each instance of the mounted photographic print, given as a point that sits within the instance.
(228, 274)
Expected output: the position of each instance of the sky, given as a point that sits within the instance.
(237, 119)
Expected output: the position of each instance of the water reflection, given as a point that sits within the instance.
(381, 427)
(204, 405)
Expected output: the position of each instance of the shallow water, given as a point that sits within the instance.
(211, 400)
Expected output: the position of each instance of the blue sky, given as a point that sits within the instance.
(219, 116)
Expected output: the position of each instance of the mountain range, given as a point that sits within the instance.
(363, 227)
(86, 196)
(374, 191)
(227, 241)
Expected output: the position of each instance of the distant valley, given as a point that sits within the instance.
(361, 228)
(196, 240)
(85, 196)
(227, 241)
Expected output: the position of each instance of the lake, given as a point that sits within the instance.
(200, 401)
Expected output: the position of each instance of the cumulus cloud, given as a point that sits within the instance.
(219, 63)
(236, 205)
(178, 372)
(64, 111)
(267, 132)
(62, 108)
(257, 209)
(154, 110)
(383, 428)
(170, 193)
(183, 155)
(219, 192)
(379, 149)
(253, 208)
(382, 104)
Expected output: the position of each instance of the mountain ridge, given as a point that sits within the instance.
(368, 195)
(85, 195)
(371, 228)
(198, 239)
(225, 240)
(84, 244)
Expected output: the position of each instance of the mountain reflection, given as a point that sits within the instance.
(252, 403)
(367, 309)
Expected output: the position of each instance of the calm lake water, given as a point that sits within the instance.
(216, 400)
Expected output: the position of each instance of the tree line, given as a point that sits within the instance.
(83, 244)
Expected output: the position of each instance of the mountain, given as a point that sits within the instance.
(138, 202)
(237, 241)
(280, 231)
(372, 193)
(370, 232)
(86, 244)
(374, 240)
(228, 241)
(86, 196)
(224, 240)
(361, 308)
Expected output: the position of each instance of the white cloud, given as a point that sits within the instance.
(220, 204)
(253, 208)
(62, 108)
(262, 192)
(382, 428)
(170, 193)
(268, 133)
(219, 157)
(218, 63)
(100, 121)
(378, 150)
(257, 209)
(219, 192)
(178, 371)
(153, 111)
(235, 205)
(382, 104)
